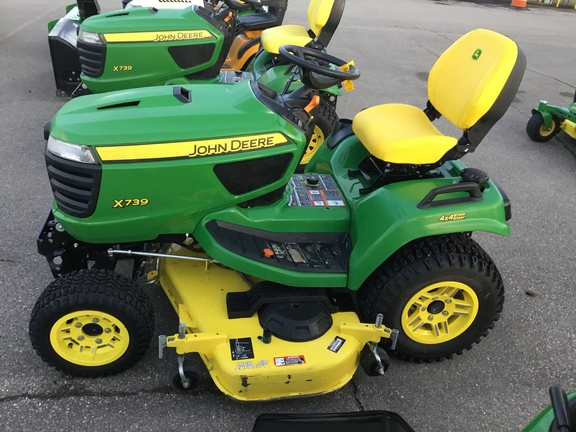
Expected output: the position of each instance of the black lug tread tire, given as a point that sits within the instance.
(326, 120)
(92, 289)
(535, 123)
(423, 262)
(191, 371)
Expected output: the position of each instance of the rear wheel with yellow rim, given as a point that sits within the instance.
(91, 323)
(442, 293)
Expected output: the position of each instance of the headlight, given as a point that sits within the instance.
(89, 37)
(73, 152)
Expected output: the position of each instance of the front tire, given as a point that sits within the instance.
(442, 293)
(91, 323)
(537, 131)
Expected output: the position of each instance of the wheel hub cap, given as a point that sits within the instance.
(89, 338)
(439, 312)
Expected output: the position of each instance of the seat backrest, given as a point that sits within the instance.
(474, 82)
(324, 17)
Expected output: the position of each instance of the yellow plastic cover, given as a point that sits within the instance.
(318, 14)
(273, 38)
(468, 78)
(401, 134)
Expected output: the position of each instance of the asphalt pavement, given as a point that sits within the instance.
(500, 385)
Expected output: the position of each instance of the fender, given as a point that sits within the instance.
(400, 222)
(388, 218)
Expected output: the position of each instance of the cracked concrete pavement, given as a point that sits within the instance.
(498, 386)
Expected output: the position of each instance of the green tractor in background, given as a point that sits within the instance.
(253, 16)
(143, 47)
(560, 416)
(283, 283)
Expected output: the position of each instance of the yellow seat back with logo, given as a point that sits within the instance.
(472, 84)
(323, 19)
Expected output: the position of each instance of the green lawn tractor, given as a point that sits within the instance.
(142, 47)
(560, 416)
(283, 283)
(547, 120)
(253, 16)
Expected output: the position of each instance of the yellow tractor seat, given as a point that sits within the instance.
(401, 134)
(472, 84)
(272, 39)
(323, 19)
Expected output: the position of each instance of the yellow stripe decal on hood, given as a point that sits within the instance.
(165, 36)
(190, 149)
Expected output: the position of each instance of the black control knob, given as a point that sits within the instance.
(312, 181)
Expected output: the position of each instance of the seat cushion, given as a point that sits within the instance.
(401, 134)
(273, 38)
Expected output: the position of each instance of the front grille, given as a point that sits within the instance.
(92, 57)
(75, 185)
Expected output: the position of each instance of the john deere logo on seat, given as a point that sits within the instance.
(477, 54)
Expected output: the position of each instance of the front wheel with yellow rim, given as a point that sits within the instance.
(91, 323)
(442, 293)
(326, 118)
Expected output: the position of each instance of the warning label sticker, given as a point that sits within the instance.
(289, 360)
(312, 190)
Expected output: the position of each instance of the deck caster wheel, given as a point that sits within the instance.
(192, 374)
(370, 363)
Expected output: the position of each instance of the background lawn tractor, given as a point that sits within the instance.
(283, 283)
(239, 48)
(141, 47)
(547, 120)
(560, 416)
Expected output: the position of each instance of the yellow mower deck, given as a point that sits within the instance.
(241, 365)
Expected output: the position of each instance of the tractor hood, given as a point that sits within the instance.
(165, 114)
(136, 22)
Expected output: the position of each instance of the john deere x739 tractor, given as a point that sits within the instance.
(283, 283)
(233, 44)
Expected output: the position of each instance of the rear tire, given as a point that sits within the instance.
(537, 131)
(442, 293)
(91, 323)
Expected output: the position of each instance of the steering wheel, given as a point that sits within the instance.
(302, 56)
(238, 6)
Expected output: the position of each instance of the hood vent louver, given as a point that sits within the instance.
(120, 105)
(182, 94)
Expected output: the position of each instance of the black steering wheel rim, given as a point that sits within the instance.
(296, 55)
